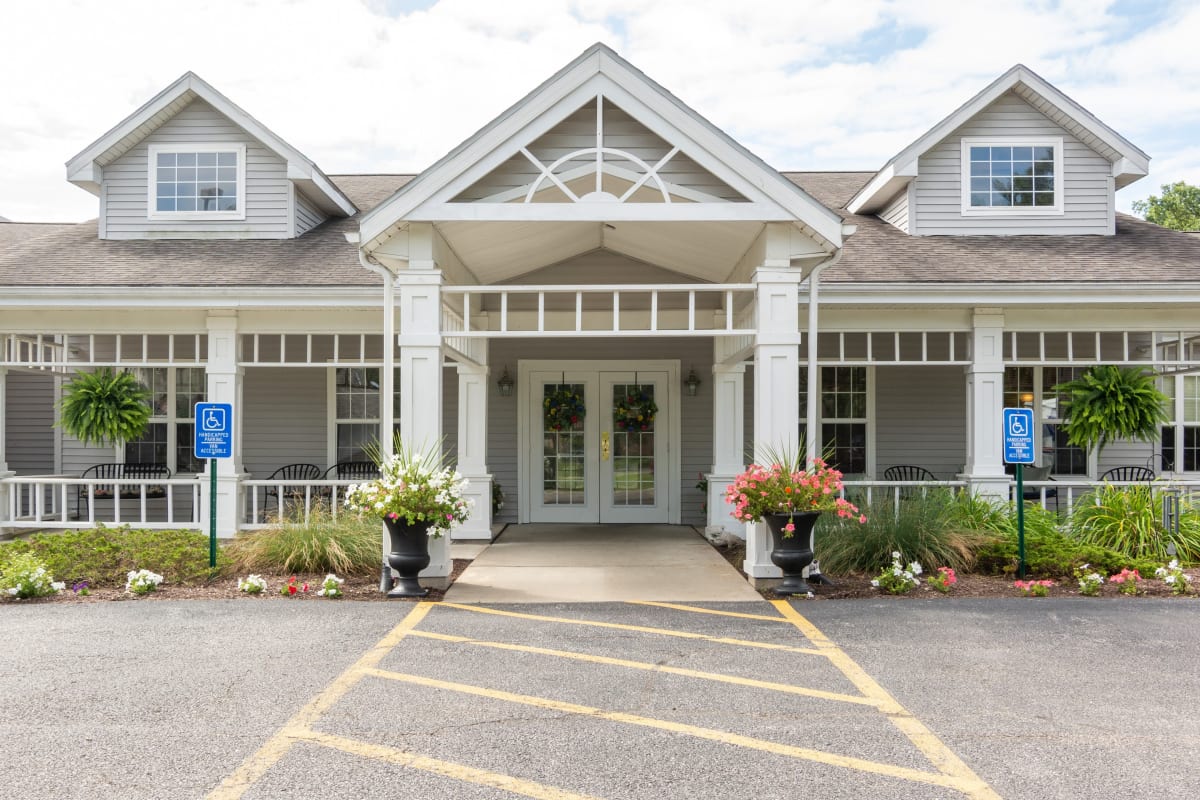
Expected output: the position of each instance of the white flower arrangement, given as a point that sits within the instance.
(1174, 576)
(896, 579)
(255, 584)
(142, 581)
(416, 488)
(26, 576)
(331, 586)
(1090, 581)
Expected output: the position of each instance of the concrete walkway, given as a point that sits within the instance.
(556, 563)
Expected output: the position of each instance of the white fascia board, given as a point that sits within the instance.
(229, 297)
(599, 212)
(890, 180)
(599, 71)
(1063, 295)
(1018, 74)
(191, 82)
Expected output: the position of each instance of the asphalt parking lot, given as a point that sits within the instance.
(961, 698)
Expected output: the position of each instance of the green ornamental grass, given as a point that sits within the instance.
(1128, 519)
(346, 545)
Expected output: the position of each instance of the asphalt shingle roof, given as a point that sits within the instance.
(72, 255)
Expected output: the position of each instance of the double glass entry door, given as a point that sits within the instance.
(600, 446)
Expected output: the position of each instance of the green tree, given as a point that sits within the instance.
(1178, 208)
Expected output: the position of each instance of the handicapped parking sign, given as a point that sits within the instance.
(1018, 436)
(214, 430)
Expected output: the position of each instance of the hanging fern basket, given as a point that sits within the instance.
(104, 407)
(1106, 403)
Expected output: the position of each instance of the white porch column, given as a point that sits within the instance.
(776, 390)
(985, 402)
(472, 450)
(728, 444)
(420, 341)
(5, 472)
(224, 385)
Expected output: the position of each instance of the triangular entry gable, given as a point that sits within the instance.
(601, 142)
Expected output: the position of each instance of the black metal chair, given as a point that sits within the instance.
(1128, 474)
(292, 472)
(908, 472)
(352, 470)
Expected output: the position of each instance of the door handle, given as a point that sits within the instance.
(604, 446)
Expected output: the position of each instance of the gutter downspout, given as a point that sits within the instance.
(386, 383)
(814, 378)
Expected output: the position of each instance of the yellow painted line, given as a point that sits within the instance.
(924, 739)
(254, 767)
(698, 610)
(639, 629)
(724, 737)
(448, 769)
(643, 665)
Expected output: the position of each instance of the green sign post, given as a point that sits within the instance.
(1018, 450)
(214, 439)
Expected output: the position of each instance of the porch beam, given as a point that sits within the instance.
(985, 401)
(223, 377)
(728, 443)
(472, 450)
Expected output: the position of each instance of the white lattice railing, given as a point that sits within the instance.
(627, 310)
(57, 501)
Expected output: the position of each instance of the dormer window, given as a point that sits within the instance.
(1011, 176)
(197, 182)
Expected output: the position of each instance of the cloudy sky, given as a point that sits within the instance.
(392, 85)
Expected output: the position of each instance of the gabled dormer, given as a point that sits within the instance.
(1018, 158)
(190, 164)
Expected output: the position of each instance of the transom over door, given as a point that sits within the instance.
(599, 445)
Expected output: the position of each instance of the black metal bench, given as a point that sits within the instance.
(100, 491)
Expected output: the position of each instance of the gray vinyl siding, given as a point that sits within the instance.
(123, 204)
(920, 418)
(1125, 453)
(896, 212)
(29, 423)
(284, 419)
(621, 131)
(695, 412)
(308, 216)
(1087, 202)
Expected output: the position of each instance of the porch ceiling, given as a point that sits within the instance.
(500, 251)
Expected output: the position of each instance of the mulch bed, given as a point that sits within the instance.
(857, 586)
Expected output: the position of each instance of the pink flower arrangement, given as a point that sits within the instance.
(780, 489)
(1033, 588)
(943, 579)
(1127, 581)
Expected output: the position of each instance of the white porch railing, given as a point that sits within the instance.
(59, 501)
(266, 501)
(626, 310)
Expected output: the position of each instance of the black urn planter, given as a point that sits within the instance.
(792, 553)
(409, 555)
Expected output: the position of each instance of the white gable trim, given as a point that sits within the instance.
(600, 71)
(86, 168)
(1129, 163)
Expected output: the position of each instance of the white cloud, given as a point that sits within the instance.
(363, 87)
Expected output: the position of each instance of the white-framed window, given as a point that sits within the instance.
(174, 392)
(1180, 444)
(1012, 175)
(843, 415)
(197, 181)
(354, 395)
(1033, 388)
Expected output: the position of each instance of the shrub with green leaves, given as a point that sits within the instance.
(929, 528)
(24, 576)
(1128, 519)
(346, 545)
(103, 556)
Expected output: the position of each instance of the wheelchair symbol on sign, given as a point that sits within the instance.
(213, 419)
(1016, 426)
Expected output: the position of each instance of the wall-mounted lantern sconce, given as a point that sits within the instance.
(692, 382)
(505, 384)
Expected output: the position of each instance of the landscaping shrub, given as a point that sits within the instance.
(1128, 519)
(346, 545)
(929, 528)
(1048, 550)
(104, 556)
